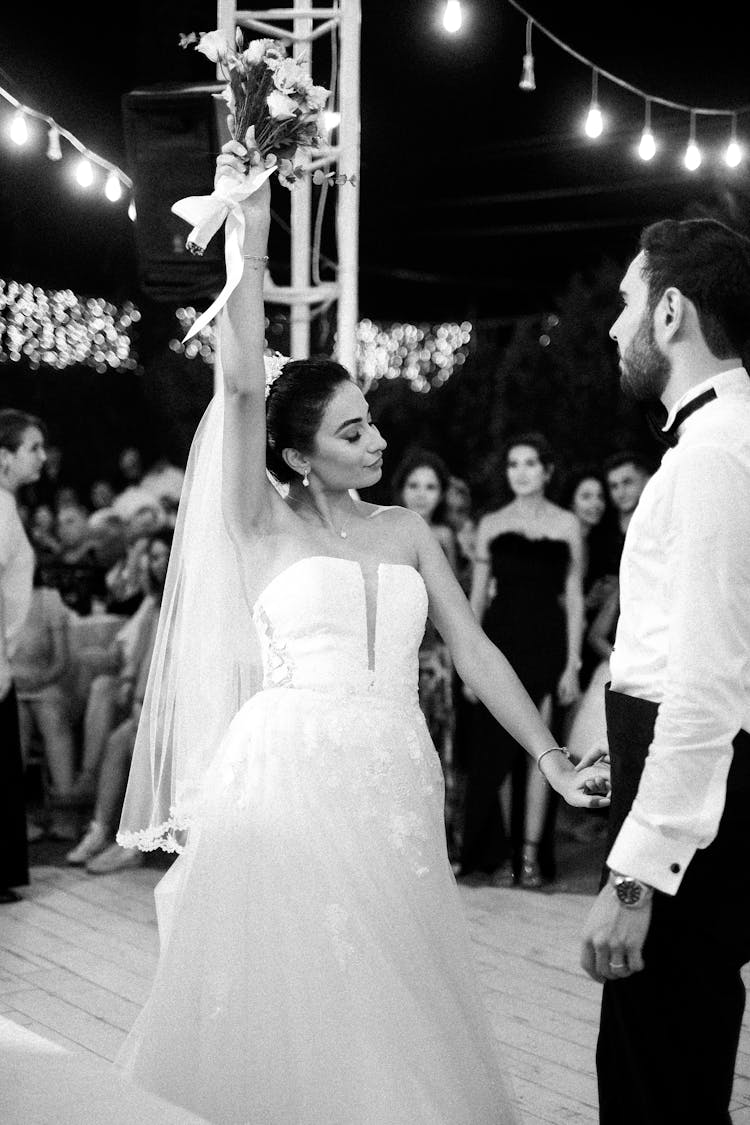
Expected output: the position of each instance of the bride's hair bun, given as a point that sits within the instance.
(294, 408)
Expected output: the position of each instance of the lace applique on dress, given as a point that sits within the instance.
(278, 667)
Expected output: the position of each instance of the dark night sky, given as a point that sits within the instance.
(477, 199)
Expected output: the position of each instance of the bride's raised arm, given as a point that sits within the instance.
(248, 497)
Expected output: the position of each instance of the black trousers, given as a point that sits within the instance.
(14, 863)
(668, 1035)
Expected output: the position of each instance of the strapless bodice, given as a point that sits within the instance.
(325, 624)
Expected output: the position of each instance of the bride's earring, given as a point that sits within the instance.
(305, 481)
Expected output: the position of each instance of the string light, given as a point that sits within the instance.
(84, 172)
(113, 187)
(692, 158)
(131, 211)
(647, 147)
(423, 355)
(733, 154)
(594, 120)
(116, 180)
(54, 152)
(19, 130)
(331, 120)
(57, 328)
(528, 81)
(594, 123)
(452, 16)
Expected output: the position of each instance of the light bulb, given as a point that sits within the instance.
(84, 172)
(53, 144)
(452, 18)
(113, 187)
(733, 154)
(19, 131)
(131, 210)
(692, 158)
(331, 120)
(594, 122)
(528, 82)
(647, 147)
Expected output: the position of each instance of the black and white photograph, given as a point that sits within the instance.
(374, 571)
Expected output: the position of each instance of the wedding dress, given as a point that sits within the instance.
(315, 966)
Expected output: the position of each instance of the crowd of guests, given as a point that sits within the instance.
(98, 559)
(541, 575)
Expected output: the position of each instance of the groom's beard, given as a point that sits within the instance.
(644, 371)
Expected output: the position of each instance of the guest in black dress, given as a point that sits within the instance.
(527, 591)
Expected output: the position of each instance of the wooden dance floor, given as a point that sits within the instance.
(77, 955)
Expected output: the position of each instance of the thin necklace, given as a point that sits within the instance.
(343, 533)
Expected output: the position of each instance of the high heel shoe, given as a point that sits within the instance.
(530, 877)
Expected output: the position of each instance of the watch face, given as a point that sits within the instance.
(628, 891)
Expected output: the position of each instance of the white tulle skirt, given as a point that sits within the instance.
(315, 966)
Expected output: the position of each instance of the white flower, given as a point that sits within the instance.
(280, 106)
(316, 97)
(289, 76)
(255, 50)
(214, 45)
(228, 96)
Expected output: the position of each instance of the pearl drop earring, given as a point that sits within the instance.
(305, 481)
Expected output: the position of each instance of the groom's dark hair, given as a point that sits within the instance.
(710, 265)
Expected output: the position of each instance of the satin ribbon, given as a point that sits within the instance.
(206, 213)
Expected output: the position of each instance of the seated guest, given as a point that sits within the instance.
(124, 580)
(39, 663)
(76, 572)
(164, 481)
(102, 494)
(42, 532)
(97, 850)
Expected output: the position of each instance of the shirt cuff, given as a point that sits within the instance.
(646, 854)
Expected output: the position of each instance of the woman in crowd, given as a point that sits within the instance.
(585, 494)
(419, 484)
(527, 592)
(315, 963)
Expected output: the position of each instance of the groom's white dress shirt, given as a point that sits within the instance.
(683, 636)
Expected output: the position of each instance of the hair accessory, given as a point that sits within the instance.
(274, 365)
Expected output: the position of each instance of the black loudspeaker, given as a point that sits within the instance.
(173, 135)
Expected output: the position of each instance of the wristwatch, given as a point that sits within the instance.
(631, 893)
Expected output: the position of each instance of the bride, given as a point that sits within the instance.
(315, 962)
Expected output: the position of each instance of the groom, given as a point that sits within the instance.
(670, 930)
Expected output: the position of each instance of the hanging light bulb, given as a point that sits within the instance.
(692, 158)
(647, 147)
(19, 130)
(733, 153)
(54, 151)
(131, 210)
(528, 82)
(84, 172)
(594, 120)
(452, 17)
(113, 187)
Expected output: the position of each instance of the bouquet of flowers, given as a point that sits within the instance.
(274, 108)
(275, 112)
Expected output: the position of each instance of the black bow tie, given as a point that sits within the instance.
(669, 436)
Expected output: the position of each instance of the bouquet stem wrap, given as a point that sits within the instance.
(206, 213)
